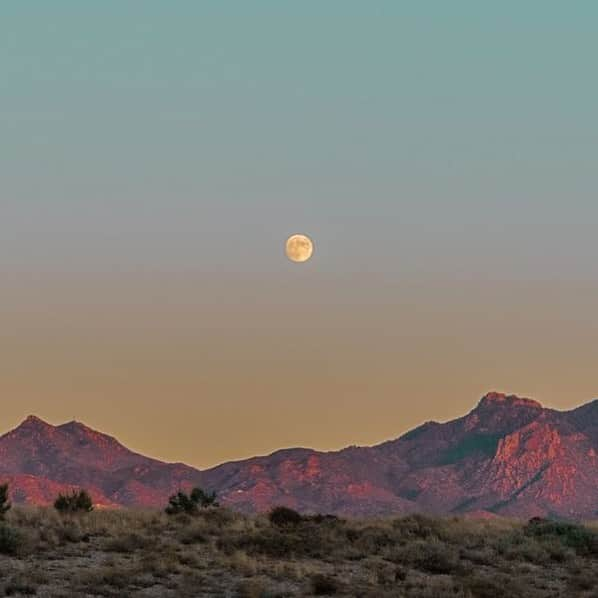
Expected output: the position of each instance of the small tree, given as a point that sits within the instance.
(4, 503)
(284, 517)
(180, 503)
(189, 503)
(77, 501)
(203, 499)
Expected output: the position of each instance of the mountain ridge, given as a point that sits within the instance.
(507, 456)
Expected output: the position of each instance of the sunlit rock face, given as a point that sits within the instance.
(39, 460)
(508, 456)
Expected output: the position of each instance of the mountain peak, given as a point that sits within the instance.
(499, 399)
(75, 425)
(509, 456)
(34, 422)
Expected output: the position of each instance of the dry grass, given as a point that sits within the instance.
(218, 553)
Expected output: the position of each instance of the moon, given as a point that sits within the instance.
(299, 248)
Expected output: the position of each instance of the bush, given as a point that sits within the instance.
(326, 519)
(323, 585)
(19, 588)
(284, 517)
(203, 499)
(4, 504)
(77, 501)
(184, 503)
(431, 556)
(251, 588)
(10, 540)
(577, 537)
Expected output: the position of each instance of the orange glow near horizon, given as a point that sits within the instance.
(204, 372)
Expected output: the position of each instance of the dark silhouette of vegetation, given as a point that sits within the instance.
(77, 501)
(203, 499)
(190, 503)
(324, 585)
(4, 503)
(10, 540)
(323, 519)
(577, 537)
(284, 517)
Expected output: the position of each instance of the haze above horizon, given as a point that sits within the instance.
(154, 161)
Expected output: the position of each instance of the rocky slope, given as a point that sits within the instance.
(39, 460)
(508, 456)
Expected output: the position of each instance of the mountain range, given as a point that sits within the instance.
(509, 456)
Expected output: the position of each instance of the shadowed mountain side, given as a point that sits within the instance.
(508, 456)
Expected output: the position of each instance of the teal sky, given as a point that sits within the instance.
(433, 150)
(407, 136)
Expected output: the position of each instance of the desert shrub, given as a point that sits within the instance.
(371, 540)
(251, 588)
(478, 556)
(193, 535)
(180, 503)
(189, 503)
(586, 580)
(203, 499)
(97, 578)
(383, 572)
(518, 547)
(581, 539)
(10, 540)
(323, 585)
(19, 588)
(77, 501)
(431, 556)
(324, 519)
(301, 541)
(215, 519)
(269, 542)
(4, 503)
(438, 559)
(129, 543)
(69, 532)
(416, 526)
(495, 585)
(284, 517)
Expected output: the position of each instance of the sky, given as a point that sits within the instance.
(155, 156)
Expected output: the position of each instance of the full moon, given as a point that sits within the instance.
(299, 248)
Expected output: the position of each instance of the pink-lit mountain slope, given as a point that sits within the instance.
(508, 456)
(39, 460)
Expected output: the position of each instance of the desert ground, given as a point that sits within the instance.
(216, 552)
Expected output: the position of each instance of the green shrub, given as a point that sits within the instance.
(284, 517)
(203, 499)
(180, 503)
(190, 503)
(4, 504)
(10, 540)
(581, 539)
(77, 501)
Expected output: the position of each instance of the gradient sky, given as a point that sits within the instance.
(155, 155)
